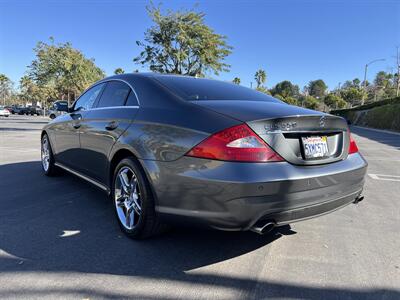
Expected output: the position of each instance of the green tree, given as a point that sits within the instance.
(236, 80)
(352, 95)
(352, 83)
(384, 85)
(62, 70)
(119, 71)
(29, 91)
(6, 88)
(334, 101)
(263, 89)
(260, 78)
(317, 88)
(286, 89)
(356, 82)
(289, 100)
(181, 43)
(309, 102)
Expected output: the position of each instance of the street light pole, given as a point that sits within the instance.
(365, 77)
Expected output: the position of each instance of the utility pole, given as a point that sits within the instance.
(365, 78)
(398, 72)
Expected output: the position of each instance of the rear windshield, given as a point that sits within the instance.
(61, 104)
(191, 89)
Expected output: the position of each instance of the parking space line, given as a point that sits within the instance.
(384, 177)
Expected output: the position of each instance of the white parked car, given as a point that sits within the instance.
(59, 108)
(4, 112)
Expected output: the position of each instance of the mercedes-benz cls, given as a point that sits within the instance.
(175, 148)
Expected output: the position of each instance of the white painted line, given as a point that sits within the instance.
(68, 233)
(371, 158)
(19, 150)
(384, 177)
(374, 176)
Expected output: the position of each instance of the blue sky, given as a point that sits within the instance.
(294, 40)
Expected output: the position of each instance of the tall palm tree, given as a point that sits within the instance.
(260, 77)
(236, 80)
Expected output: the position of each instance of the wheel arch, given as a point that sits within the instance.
(121, 154)
(43, 133)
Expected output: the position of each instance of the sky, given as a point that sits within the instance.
(299, 40)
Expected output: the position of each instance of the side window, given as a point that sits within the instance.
(132, 100)
(87, 100)
(114, 94)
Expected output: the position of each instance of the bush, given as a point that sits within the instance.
(367, 106)
(382, 117)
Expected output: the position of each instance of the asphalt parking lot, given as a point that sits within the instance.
(59, 239)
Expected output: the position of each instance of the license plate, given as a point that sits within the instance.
(315, 146)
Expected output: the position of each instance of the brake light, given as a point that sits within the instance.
(352, 146)
(237, 143)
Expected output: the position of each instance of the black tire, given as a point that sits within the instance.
(52, 116)
(52, 169)
(149, 223)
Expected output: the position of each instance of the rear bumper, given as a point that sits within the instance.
(234, 196)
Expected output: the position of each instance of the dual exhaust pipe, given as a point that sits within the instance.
(263, 227)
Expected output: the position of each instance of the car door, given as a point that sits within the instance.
(115, 110)
(68, 127)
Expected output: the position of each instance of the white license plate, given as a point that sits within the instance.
(315, 146)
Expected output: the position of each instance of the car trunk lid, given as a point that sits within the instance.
(290, 130)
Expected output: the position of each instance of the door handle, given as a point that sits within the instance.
(112, 125)
(77, 125)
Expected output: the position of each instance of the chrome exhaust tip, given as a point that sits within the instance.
(263, 227)
(358, 199)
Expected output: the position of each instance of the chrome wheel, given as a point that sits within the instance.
(127, 198)
(45, 153)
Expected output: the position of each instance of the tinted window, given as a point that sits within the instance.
(114, 94)
(132, 100)
(61, 105)
(87, 100)
(190, 88)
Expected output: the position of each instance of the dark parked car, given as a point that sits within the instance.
(22, 110)
(34, 110)
(174, 148)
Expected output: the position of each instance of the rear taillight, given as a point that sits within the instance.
(237, 143)
(352, 146)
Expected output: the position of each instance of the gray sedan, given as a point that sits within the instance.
(170, 149)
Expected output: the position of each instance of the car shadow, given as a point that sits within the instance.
(62, 224)
(58, 217)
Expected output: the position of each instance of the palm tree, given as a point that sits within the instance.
(260, 77)
(119, 71)
(236, 80)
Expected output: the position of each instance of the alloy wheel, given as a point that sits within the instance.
(45, 153)
(127, 198)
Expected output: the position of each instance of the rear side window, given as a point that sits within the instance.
(132, 100)
(115, 94)
(191, 89)
(86, 101)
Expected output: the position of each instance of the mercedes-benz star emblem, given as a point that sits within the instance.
(322, 121)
